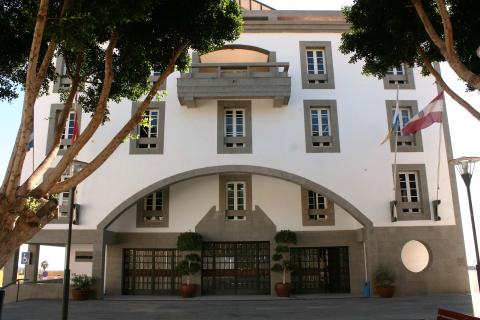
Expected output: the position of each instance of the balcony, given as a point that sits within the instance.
(230, 80)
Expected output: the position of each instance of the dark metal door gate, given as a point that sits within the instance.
(236, 268)
(150, 271)
(320, 270)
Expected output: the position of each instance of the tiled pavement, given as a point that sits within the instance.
(246, 307)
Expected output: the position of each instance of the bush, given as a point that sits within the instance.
(286, 237)
(384, 277)
(81, 281)
(189, 241)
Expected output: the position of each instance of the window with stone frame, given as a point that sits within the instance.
(412, 193)
(316, 65)
(152, 210)
(148, 137)
(401, 75)
(321, 126)
(234, 127)
(317, 210)
(63, 82)
(236, 196)
(405, 143)
(74, 116)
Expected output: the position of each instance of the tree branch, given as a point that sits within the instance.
(427, 24)
(95, 122)
(20, 149)
(47, 161)
(123, 133)
(427, 63)
(451, 56)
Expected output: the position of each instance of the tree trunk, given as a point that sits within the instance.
(19, 224)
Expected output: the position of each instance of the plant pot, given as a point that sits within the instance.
(80, 294)
(282, 289)
(385, 292)
(188, 290)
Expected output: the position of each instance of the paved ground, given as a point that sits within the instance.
(217, 308)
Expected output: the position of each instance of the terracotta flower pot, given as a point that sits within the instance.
(80, 294)
(188, 290)
(385, 292)
(282, 289)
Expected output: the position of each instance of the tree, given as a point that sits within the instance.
(386, 33)
(110, 48)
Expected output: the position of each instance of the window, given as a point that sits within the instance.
(64, 200)
(68, 130)
(152, 210)
(317, 65)
(236, 196)
(317, 210)
(405, 143)
(62, 82)
(321, 126)
(412, 193)
(148, 136)
(403, 75)
(234, 127)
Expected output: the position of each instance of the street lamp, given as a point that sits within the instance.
(74, 167)
(465, 167)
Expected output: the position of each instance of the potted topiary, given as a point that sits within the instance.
(190, 265)
(384, 280)
(284, 239)
(81, 286)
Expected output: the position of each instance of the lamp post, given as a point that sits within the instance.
(465, 167)
(74, 167)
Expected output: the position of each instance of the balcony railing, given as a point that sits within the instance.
(249, 80)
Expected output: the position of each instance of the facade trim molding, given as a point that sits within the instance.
(257, 170)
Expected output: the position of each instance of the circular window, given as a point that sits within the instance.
(415, 256)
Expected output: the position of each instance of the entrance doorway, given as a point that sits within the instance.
(236, 268)
(320, 270)
(150, 271)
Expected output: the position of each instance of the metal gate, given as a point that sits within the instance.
(320, 270)
(236, 268)
(150, 271)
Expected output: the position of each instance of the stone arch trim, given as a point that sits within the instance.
(257, 170)
(270, 54)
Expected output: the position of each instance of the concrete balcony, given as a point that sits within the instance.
(246, 80)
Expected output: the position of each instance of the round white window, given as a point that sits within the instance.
(415, 256)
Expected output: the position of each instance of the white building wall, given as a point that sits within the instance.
(80, 267)
(361, 173)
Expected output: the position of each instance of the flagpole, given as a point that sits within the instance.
(438, 161)
(396, 146)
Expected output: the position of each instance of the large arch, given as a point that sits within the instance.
(264, 171)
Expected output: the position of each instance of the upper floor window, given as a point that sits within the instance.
(321, 126)
(148, 137)
(412, 193)
(397, 71)
(316, 65)
(236, 196)
(152, 210)
(234, 127)
(149, 129)
(62, 82)
(69, 131)
(316, 209)
(316, 61)
(405, 143)
(71, 125)
(401, 75)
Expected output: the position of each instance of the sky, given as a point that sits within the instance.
(465, 130)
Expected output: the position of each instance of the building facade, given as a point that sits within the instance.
(274, 131)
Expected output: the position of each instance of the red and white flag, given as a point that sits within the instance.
(432, 113)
